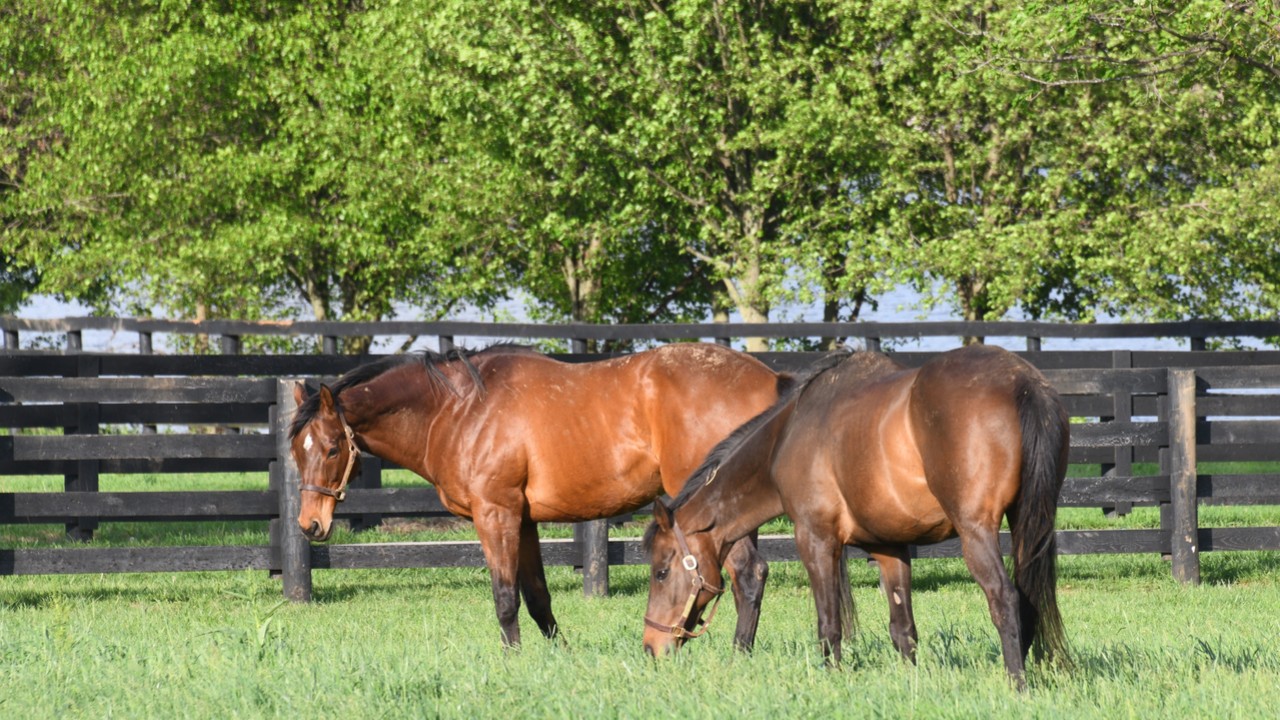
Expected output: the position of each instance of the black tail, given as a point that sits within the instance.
(784, 383)
(1045, 441)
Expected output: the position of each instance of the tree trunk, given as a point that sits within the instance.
(202, 339)
(971, 304)
(584, 289)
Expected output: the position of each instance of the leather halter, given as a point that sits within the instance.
(699, 584)
(353, 454)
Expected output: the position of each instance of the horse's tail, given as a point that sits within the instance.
(785, 383)
(1045, 441)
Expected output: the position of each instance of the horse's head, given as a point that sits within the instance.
(679, 588)
(325, 451)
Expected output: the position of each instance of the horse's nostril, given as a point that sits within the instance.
(649, 649)
(314, 530)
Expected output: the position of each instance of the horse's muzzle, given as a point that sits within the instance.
(315, 532)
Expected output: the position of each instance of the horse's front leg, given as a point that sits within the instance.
(748, 572)
(533, 580)
(499, 530)
(895, 581)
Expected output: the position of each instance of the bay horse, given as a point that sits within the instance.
(865, 452)
(510, 438)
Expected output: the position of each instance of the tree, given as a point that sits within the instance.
(246, 162)
(1191, 150)
(527, 128)
(685, 125)
(26, 53)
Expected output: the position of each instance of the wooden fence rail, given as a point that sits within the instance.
(1198, 333)
(1147, 428)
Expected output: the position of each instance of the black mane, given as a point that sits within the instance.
(429, 360)
(727, 447)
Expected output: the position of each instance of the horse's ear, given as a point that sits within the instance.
(300, 393)
(326, 399)
(662, 515)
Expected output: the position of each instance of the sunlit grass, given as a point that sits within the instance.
(424, 643)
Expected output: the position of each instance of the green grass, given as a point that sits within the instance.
(424, 643)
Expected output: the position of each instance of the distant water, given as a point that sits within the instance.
(902, 305)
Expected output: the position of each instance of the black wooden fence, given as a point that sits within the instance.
(1167, 410)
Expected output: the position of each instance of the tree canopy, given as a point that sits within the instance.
(627, 161)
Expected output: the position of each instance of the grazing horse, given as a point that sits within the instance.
(864, 452)
(511, 438)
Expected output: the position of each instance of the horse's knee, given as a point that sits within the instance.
(760, 569)
(506, 601)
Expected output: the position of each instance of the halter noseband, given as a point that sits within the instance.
(699, 584)
(353, 455)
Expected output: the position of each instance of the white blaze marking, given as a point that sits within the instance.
(306, 444)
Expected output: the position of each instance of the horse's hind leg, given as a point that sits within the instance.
(823, 557)
(533, 580)
(895, 581)
(748, 572)
(981, 548)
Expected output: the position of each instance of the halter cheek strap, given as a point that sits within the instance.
(353, 454)
(698, 585)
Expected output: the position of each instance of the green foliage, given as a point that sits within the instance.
(235, 161)
(626, 161)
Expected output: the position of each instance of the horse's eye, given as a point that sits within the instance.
(333, 451)
(662, 574)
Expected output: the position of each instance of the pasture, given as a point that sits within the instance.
(423, 643)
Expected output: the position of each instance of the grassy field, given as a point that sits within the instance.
(424, 643)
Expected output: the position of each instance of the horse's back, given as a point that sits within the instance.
(893, 454)
(604, 437)
(697, 395)
(842, 461)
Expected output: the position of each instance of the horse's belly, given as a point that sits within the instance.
(570, 496)
(894, 505)
(922, 528)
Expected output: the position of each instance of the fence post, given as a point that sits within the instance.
(592, 536)
(1122, 410)
(85, 476)
(595, 558)
(295, 550)
(145, 348)
(1185, 526)
(370, 478)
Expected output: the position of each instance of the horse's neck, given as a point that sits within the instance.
(740, 495)
(393, 416)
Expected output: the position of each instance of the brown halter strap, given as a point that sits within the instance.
(699, 584)
(353, 454)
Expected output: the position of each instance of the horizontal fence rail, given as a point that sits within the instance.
(1197, 332)
(1147, 421)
